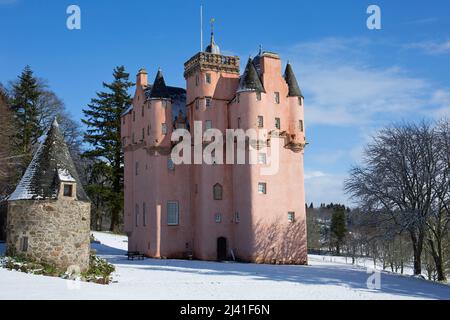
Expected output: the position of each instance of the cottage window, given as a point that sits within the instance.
(278, 123)
(172, 213)
(277, 97)
(218, 191)
(262, 188)
(24, 244)
(291, 216)
(68, 190)
(260, 122)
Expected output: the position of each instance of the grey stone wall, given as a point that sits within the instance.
(51, 231)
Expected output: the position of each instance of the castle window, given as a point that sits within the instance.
(208, 124)
(24, 244)
(197, 79)
(300, 125)
(218, 191)
(142, 112)
(208, 102)
(143, 134)
(238, 98)
(262, 158)
(208, 78)
(148, 130)
(144, 214)
(137, 168)
(300, 101)
(164, 104)
(68, 190)
(237, 218)
(278, 123)
(197, 104)
(136, 215)
(164, 128)
(218, 217)
(239, 122)
(172, 213)
(291, 216)
(262, 188)
(134, 116)
(277, 97)
(170, 164)
(260, 122)
(258, 96)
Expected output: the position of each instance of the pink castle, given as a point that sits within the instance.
(217, 211)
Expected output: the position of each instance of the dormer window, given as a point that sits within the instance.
(68, 190)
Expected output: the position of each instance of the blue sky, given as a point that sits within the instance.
(355, 80)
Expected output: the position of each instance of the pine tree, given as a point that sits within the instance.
(103, 133)
(338, 228)
(24, 98)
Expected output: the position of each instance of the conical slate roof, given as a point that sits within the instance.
(51, 165)
(250, 80)
(159, 88)
(289, 76)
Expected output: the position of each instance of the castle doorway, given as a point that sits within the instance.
(221, 249)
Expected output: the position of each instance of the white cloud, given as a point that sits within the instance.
(321, 187)
(343, 88)
(432, 47)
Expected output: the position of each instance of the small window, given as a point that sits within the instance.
(262, 158)
(148, 130)
(132, 138)
(144, 214)
(278, 123)
(260, 122)
(300, 125)
(239, 123)
(208, 102)
(277, 97)
(172, 213)
(238, 98)
(68, 190)
(164, 128)
(197, 79)
(208, 124)
(218, 191)
(262, 188)
(136, 215)
(134, 116)
(291, 216)
(197, 104)
(143, 134)
(137, 168)
(300, 101)
(164, 104)
(170, 164)
(237, 218)
(218, 217)
(258, 96)
(24, 244)
(142, 112)
(208, 78)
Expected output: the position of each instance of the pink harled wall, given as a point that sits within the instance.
(262, 233)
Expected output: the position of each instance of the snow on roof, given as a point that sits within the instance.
(64, 175)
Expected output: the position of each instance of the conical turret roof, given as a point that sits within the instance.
(289, 76)
(51, 165)
(250, 80)
(159, 88)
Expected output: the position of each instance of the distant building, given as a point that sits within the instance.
(216, 212)
(48, 216)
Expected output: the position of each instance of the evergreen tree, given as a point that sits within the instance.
(103, 133)
(24, 99)
(338, 228)
(311, 206)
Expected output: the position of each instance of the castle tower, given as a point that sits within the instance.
(49, 213)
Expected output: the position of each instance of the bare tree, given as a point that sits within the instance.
(397, 181)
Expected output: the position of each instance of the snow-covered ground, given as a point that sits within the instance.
(186, 280)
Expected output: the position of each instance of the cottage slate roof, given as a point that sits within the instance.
(159, 89)
(51, 165)
(289, 76)
(250, 80)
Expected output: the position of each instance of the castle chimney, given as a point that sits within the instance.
(142, 78)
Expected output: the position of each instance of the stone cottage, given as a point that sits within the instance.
(48, 216)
